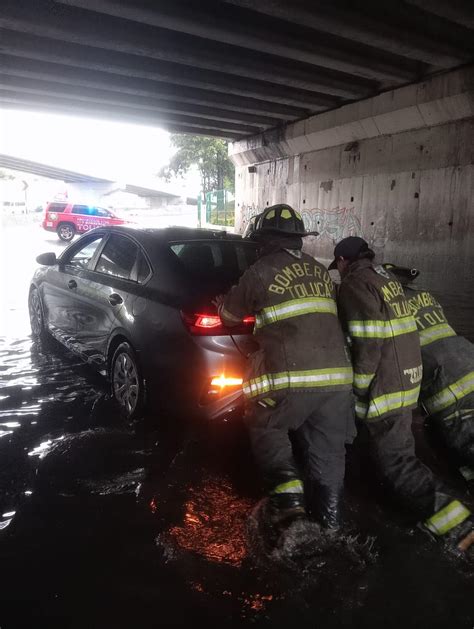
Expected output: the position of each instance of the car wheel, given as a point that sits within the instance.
(66, 231)
(126, 382)
(35, 308)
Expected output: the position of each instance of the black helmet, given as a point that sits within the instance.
(402, 273)
(280, 219)
(250, 227)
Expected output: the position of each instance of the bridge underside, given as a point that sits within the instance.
(229, 68)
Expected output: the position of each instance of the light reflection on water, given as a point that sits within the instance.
(36, 376)
(214, 528)
(42, 450)
(5, 522)
(214, 522)
(42, 389)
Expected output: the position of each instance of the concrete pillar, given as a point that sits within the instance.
(397, 169)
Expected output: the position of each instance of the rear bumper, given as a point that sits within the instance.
(222, 409)
(48, 226)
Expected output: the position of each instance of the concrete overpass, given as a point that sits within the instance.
(229, 68)
(46, 170)
(87, 188)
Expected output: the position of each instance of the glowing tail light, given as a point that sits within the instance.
(220, 386)
(208, 324)
(224, 381)
(208, 321)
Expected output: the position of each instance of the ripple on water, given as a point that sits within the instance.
(35, 378)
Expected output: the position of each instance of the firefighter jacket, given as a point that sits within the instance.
(448, 359)
(384, 341)
(300, 339)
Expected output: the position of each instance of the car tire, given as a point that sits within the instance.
(35, 309)
(126, 382)
(66, 231)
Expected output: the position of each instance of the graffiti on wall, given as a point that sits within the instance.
(246, 213)
(332, 224)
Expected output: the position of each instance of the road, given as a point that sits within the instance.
(104, 525)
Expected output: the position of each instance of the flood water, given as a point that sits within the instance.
(103, 525)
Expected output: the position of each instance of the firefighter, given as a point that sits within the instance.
(387, 375)
(299, 382)
(447, 388)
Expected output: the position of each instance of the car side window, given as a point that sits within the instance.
(80, 209)
(101, 212)
(118, 257)
(82, 257)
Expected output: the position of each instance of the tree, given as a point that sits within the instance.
(208, 154)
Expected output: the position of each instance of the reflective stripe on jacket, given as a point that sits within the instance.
(448, 359)
(384, 341)
(429, 317)
(301, 343)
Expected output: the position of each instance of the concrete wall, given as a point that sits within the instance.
(397, 169)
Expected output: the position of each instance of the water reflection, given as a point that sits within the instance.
(214, 522)
(6, 520)
(42, 450)
(36, 378)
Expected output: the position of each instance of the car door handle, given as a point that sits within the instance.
(72, 284)
(115, 299)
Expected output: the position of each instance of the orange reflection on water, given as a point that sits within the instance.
(257, 602)
(214, 523)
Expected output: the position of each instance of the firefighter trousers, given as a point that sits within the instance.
(320, 422)
(392, 448)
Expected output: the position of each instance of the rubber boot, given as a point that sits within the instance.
(283, 509)
(326, 506)
(278, 515)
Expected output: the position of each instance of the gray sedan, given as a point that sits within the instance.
(137, 305)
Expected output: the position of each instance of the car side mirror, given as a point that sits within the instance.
(47, 259)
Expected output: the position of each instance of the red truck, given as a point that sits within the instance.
(68, 219)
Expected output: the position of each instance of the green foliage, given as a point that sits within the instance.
(220, 209)
(208, 154)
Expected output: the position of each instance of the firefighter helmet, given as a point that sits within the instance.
(402, 273)
(280, 219)
(250, 227)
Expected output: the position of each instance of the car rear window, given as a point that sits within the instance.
(214, 261)
(56, 207)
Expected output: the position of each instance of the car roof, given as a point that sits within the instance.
(170, 234)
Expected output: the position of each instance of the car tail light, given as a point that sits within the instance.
(226, 381)
(219, 386)
(206, 324)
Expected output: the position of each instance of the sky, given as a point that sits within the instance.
(120, 151)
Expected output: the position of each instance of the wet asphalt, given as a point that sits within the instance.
(106, 525)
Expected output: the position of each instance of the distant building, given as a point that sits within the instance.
(132, 197)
